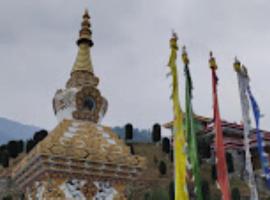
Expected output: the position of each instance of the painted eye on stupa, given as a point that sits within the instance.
(89, 103)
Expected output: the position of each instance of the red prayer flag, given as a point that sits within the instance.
(221, 164)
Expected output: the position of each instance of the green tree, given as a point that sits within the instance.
(3, 147)
(156, 133)
(147, 196)
(204, 148)
(13, 148)
(9, 197)
(171, 155)
(236, 194)
(39, 136)
(205, 190)
(214, 172)
(166, 146)
(217, 196)
(229, 160)
(171, 190)
(159, 194)
(30, 145)
(162, 168)
(128, 131)
(4, 158)
(20, 146)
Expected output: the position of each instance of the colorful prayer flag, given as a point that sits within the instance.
(260, 138)
(243, 82)
(190, 130)
(179, 137)
(221, 164)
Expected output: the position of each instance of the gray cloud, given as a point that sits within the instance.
(37, 50)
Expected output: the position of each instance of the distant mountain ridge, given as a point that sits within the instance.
(12, 130)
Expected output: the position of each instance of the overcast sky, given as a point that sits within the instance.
(37, 51)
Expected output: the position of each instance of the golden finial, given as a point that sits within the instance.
(85, 32)
(237, 65)
(83, 60)
(185, 56)
(212, 61)
(86, 14)
(173, 41)
(174, 35)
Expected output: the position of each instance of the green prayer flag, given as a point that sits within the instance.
(191, 132)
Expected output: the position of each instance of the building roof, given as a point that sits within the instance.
(233, 133)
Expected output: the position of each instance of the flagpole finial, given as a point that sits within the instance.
(173, 41)
(174, 35)
(237, 65)
(185, 55)
(212, 61)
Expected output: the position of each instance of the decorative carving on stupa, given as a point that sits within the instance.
(80, 159)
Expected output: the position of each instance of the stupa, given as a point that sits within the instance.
(80, 159)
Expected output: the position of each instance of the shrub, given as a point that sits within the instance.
(162, 168)
(3, 147)
(236, 194)
(214, 172)
(4, 159)
(159, 194)
(171, 190)
(128, 131)
(39, 136)
(204, 147)
(229, 160)
(166, 145)
(156, 133)
(9, 197)
(30, 145)
(205, 190)
(171, 155)
(147, 196)
(20, 146)
(13, 148)
(217, 196)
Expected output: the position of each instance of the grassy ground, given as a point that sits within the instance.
(154, 183)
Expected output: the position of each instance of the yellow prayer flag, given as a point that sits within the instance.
(180, 158)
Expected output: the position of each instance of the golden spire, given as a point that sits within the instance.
(83, 60)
